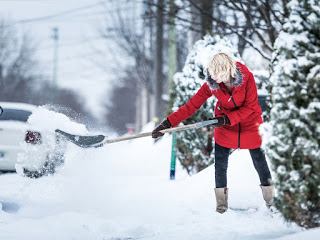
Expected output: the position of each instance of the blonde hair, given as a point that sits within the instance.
(223, 65)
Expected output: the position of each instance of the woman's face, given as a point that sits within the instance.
(219, 79)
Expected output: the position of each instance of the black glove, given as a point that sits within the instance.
(221, 121)
(163, 125)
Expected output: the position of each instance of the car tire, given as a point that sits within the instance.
(49, 168)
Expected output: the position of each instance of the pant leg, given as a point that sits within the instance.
(221, 165)
(260, 164)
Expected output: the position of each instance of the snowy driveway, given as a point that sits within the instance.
(123, 191)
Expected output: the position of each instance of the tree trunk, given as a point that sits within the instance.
(158, 80)
(206, 17)
(193, 36)
(172, 51)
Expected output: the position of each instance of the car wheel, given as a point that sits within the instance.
(49, 168)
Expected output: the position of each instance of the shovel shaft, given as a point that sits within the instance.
(124, 138)
(185, 127)
(96, 141)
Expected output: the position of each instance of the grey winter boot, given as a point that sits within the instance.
(268, 193)
(222, 199)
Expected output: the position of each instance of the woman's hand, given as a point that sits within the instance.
(163, 125)
(221, 121)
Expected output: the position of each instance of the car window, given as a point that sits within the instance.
(15, 115)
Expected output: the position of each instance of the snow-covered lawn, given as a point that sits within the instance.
(123, 191)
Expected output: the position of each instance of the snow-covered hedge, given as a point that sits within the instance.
(294, 142)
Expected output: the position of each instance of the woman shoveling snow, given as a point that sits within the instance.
(238, 116)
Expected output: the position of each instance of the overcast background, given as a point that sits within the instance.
(79, 23)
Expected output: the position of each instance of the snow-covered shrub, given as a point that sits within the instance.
(191, 143)
(294, 142)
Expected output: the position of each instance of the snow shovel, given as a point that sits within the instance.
(95, 141)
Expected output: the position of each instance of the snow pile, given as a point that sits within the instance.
(34, 158)
(50, 120)
(123, 191)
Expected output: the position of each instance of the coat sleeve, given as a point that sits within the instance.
(250, 104)
(191, 107)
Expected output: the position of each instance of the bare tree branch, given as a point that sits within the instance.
(263, 19)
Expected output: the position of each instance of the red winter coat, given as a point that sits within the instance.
(240, 105)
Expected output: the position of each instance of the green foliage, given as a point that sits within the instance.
(294, 144)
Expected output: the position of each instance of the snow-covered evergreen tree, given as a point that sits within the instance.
(294, 144)
(191, 143)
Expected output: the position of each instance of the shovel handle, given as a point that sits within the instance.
(146, 134)
(175, 129)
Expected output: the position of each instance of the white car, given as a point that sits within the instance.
(37, 152)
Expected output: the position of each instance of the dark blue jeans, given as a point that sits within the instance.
(221, 165)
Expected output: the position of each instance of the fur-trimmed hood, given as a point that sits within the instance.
(214, 85)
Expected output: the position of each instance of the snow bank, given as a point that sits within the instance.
(51, 120)
(45, 121)
(123, 191)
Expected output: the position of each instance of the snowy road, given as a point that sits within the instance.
(123, 191)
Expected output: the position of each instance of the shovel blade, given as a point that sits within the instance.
(83, 141)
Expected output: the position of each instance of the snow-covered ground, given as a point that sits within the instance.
(123, 191)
